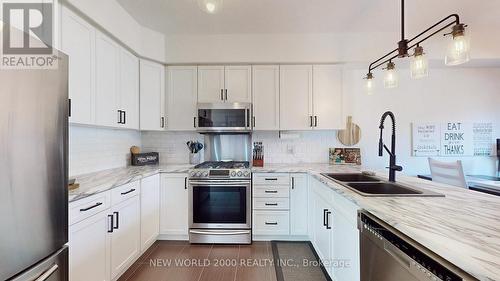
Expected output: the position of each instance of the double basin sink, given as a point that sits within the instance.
(367, 185)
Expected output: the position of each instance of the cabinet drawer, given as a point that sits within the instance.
(271, 191)
(271, 223)
(271, 204)
(87, 207)
(124, 192)
(271, 178)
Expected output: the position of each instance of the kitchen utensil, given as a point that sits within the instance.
(351, 134)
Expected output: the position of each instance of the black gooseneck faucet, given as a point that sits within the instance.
(392, 153)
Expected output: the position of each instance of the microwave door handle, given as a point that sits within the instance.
(247, 118)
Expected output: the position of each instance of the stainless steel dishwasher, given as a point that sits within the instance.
(388, 255)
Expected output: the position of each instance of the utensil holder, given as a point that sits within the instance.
(194, 158)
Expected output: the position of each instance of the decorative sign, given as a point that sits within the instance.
(426, 139)
(452, 139)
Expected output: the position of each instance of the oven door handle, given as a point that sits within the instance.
(219, 233)
(218, 183)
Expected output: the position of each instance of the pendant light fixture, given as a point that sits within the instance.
(369, 84)
(457, 52)
(391, 76)
(419, 65)
(210, 6)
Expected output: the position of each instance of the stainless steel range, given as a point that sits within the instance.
(220, 203)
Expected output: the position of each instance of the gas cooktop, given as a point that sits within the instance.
(230, 170)
(223, 165)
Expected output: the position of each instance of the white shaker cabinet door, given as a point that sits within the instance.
(152, 96)
(182, 97)
(150, 210)
(78, 42)
(345, 247)
(174, 206)
(296, 97)
(129, 89)
(211, 84)
(238, 84)
(125, 239)
(266, 97)
(298, 204)
(107, 81)
(89, 243)
(327, 97)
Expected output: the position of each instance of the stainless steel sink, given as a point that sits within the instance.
(357, 177)
(375, 187)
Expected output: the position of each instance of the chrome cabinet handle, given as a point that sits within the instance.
(48, 273)
(91, 207)
(127, 192)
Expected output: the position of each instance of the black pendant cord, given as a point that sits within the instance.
(404, 45)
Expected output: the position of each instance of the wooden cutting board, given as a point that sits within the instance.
(351, 134)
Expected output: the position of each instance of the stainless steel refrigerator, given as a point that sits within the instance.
(33, 173)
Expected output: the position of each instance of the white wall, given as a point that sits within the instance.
(446, 95)
(308, 48)
(96, 149)
(112, 17)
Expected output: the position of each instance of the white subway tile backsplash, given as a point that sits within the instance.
(171, 145)
(95, 149)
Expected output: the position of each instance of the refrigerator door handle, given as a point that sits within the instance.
(48, 273)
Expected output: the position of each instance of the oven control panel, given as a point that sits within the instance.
(220, 174)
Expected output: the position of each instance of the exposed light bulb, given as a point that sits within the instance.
(391, 76)
(419, 65)
(459, 48)
(369, 85)
(210, 6)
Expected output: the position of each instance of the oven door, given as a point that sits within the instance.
(224, 117)
(219, 204)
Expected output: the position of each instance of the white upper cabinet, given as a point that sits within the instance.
(182, 97)
(266, 97)
(219, 84)
(238, 83)
(107, 81)
(78, 42)
(210, 84)
(296, 97)
(152, 96)
(129, 90)
(327, 97)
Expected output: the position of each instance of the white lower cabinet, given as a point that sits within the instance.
(90, 251)
(271, 222)
(150, 210)
(174, 206)
(298, 204)
(334, 232)
(103, 245)
(125, 239)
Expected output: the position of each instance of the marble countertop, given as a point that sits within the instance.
(463, 227)
(97, 182)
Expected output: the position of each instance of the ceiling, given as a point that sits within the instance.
(306, 16)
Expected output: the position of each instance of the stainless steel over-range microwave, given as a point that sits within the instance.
(224, 117)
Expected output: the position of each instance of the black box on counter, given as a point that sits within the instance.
(142, 159)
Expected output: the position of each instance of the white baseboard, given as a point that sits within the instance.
(280, 237)
(175, 237)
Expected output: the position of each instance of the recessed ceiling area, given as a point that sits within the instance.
(175, 17)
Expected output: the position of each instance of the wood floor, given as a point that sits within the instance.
(203, 263)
